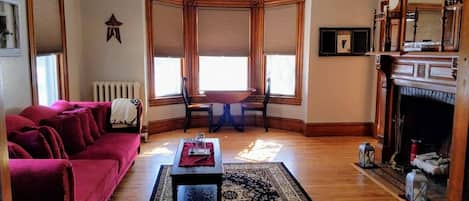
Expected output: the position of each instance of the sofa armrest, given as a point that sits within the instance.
(36, 179)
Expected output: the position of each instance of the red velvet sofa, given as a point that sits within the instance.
(90, 175)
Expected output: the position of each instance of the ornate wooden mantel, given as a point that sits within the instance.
(430, 72)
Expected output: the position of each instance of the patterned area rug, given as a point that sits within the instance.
(241, 182)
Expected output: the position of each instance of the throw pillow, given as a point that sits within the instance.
(100, 114)
(15, 151)
(33, 142)
(69, 129)
(38, 113)
(17, 122)
(85, 123)
(53, 139)
(62, 105)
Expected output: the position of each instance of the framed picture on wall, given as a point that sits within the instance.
(344, 41)
(9, 28)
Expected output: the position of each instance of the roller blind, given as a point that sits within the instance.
(280, 29)
(168, 30)
(223, 31)
(47, 26)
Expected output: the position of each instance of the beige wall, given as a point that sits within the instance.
(112, 60)
(342, 89)
(14, 72)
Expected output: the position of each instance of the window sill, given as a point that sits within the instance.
(169, 100)
(172, 100)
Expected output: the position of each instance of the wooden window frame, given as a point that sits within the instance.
(256, 58)
(62, 67)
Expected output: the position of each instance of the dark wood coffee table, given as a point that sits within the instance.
(200, 175)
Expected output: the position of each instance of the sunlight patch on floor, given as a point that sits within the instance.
(260, 151)
(159, 150)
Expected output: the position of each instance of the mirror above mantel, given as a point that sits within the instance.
(432, 25)
(419, 25)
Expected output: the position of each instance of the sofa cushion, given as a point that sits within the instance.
(62, 105)
(17, 122)
(95, 179)
(69, 129)
(33, 142)
(38, 113)
(85, 123)
(121, 147)
(15, 151)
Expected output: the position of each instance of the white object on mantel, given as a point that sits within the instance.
(104, 91)
(432, 163)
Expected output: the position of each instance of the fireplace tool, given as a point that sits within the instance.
(399, 129)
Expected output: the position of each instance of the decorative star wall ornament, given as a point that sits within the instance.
(113, 28)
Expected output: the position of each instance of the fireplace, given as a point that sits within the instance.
(424, 118)
(415, 108)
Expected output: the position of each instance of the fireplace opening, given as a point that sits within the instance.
(426, 127)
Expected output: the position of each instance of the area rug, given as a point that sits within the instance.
(241, 182)
(394, 182)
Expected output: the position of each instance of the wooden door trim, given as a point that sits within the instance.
(458, 179)
(5, 183)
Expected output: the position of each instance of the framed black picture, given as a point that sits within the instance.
(344, 41)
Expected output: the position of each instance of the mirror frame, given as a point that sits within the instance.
(453, 46)
(13, 52)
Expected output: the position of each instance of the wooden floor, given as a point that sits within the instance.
(321, 164)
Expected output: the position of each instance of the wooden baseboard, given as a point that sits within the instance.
(339, 129)
(294, 125)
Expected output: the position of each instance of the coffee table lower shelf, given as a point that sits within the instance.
(196, 180)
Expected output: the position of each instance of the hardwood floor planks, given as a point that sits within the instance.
(321, 164)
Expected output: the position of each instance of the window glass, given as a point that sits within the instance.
(223, 73)
(281, 71)
(47, 80)
(167, 76)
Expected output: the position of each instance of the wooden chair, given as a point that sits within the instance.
(258, 107)
(190, 107)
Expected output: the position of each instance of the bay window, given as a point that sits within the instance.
(232, 45)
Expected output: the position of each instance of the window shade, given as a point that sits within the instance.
(280, 29)
(47, 26)
(223, 31)
(168, 30)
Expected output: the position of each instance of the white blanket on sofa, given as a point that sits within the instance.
(124, 112)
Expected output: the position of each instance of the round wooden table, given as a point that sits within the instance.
(227, 98)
